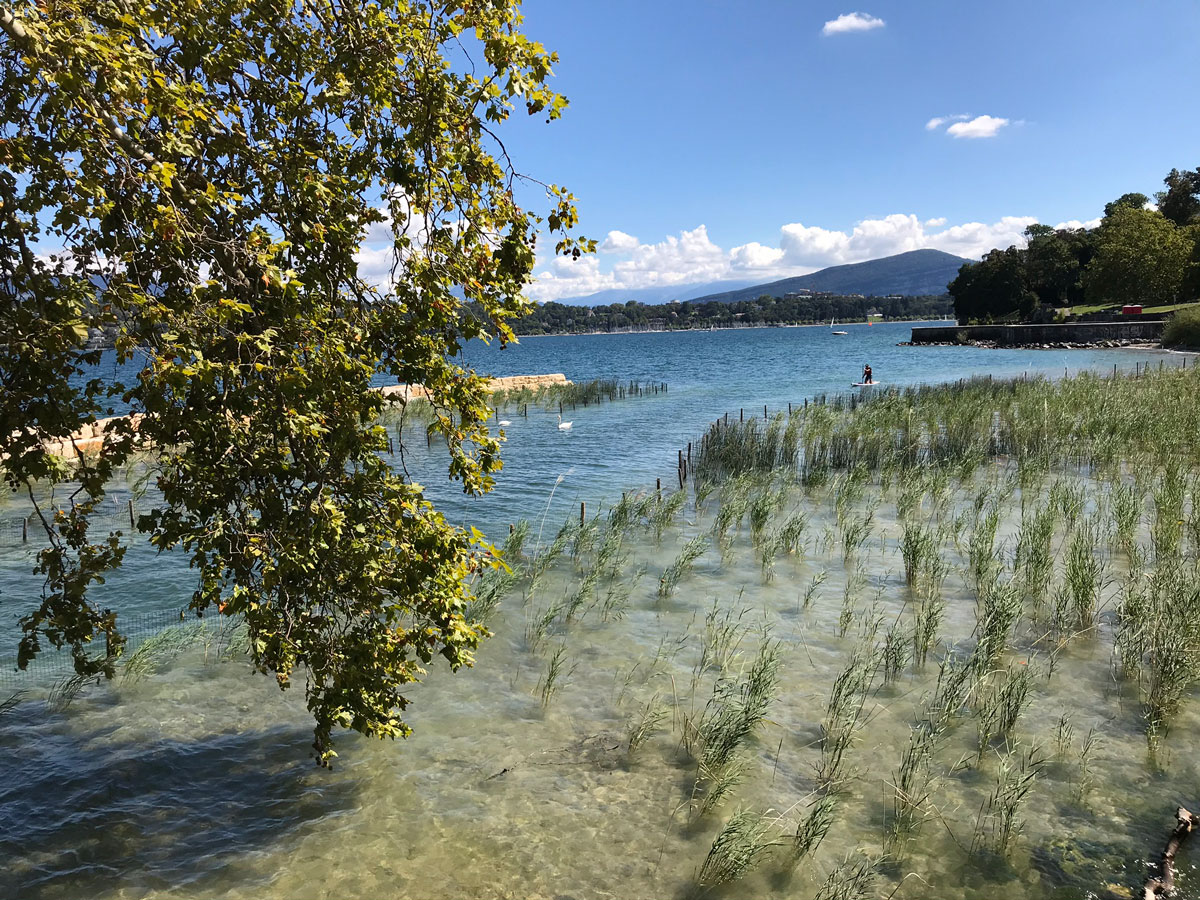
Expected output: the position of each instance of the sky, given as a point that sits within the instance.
(759, 139)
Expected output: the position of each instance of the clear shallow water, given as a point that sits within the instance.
(195, 782)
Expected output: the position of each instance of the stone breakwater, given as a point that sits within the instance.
(90, 438)
(1056, 345)
(507, 383)
(1129, 333)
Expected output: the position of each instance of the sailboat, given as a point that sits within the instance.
(832, 322)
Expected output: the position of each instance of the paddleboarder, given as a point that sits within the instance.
(866, 376)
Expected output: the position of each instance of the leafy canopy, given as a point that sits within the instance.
(197, 179)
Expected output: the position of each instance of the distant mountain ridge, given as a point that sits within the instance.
(914, 274)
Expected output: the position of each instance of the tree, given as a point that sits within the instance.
(1054, 262)
(1132, 200)
(200, 178)
(995, 287)
(1141, 257)
(1180, 202)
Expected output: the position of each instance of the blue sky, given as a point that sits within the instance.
(710, 140)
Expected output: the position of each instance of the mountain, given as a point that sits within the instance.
(653, 295)
(916, 273)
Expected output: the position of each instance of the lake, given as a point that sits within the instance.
(193, 779)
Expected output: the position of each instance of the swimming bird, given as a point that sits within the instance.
(564, 426)
(504, 423)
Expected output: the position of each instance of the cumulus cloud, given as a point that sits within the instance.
(850, 22)
(938, 121)
(618, 241)
(693, 258)
(979, 127)
(1075, 224)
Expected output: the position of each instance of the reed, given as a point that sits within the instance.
(853, 878)
(1085, 775)
(158, 650)
(1166, 532)
(646, 724)
(1082, 576)
(814, 825)
(999, 821)
(1126, 505)
(556, 675)
(814, 585)
(741, 845)
(1000, 705)
(682, 565)
(737, 708)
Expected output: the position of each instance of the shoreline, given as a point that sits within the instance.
(521, 337)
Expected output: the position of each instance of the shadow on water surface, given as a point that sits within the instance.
(80, 817)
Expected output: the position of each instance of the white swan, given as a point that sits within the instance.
(503, 423)
(564, 426)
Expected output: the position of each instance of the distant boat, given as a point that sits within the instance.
(831, 330)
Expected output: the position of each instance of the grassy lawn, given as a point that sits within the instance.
(1096, 307)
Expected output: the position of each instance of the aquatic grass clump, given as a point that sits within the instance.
(1126, 506)
(843, 710)
(556, 675)
(158, 650)
(999, 821)
(741, 845)
(737, 708)
(681, 565)
(852, 879)
(812, 827)
(1082, 576)
(1035, 555)
(1000, 705)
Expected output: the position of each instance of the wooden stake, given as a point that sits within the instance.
(582, 513)
(132, 524)
(24, 530)
(764, 410)
(658, 485)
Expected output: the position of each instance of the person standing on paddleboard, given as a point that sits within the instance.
(866, 376)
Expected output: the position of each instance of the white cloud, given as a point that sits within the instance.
(693, 258)
(618, 241)
(979, 127)
(1075, 224)
(938, 121)
(850, 22)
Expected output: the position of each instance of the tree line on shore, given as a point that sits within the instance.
(1142, 252)
(800, 309)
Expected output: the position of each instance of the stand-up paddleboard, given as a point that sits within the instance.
(865, 383)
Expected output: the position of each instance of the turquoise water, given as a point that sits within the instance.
(195, 781)
(615, 446)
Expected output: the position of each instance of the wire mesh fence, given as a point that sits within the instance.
(147, 634)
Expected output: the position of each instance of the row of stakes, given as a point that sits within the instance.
(684, 462)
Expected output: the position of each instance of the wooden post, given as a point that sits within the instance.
(789, 409)
(764, 410)
(24, 530)
(511, 528)
(132, 524)
(658, 485)
(689, 457)
(806, 403)
(741, 415)
(582, 513)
